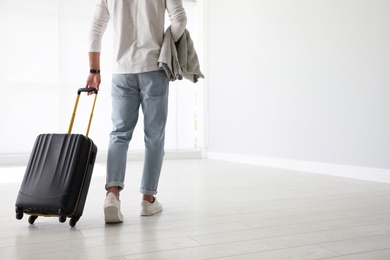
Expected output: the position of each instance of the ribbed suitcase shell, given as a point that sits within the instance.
(57, 176)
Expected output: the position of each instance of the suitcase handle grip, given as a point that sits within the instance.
(75, 108)
(87, 90)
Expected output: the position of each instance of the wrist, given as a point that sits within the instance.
(94, 71)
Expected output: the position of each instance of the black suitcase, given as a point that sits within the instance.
(58, 174)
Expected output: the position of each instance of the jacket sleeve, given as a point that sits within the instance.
(98, 26)
(178, 18)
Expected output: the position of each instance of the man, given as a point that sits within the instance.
(138, 27)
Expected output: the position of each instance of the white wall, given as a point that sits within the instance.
(25, 77)
(305, 81)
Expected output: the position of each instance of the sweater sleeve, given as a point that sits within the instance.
(98, 26)
(178, 18)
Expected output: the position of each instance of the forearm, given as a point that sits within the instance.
(178, 18)
(94, 60)
(93, 80)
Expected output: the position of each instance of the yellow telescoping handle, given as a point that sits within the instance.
(75, 108)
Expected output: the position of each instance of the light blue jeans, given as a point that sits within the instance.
(129, 91)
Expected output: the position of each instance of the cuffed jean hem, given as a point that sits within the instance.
(147, 192)
(118, 184)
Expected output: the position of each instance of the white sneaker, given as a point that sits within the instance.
(112, 209)
(149, 209)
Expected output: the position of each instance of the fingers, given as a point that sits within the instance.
(93, 81)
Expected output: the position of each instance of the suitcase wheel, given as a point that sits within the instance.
(32, 219)
(62, 218)
(19, 213)
(73, 221)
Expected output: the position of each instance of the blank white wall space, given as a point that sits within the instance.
(27, 90)
(300, 80)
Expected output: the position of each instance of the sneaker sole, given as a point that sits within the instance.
(111, 215)
(146, 213)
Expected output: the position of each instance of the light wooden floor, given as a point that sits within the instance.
(213, 210)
